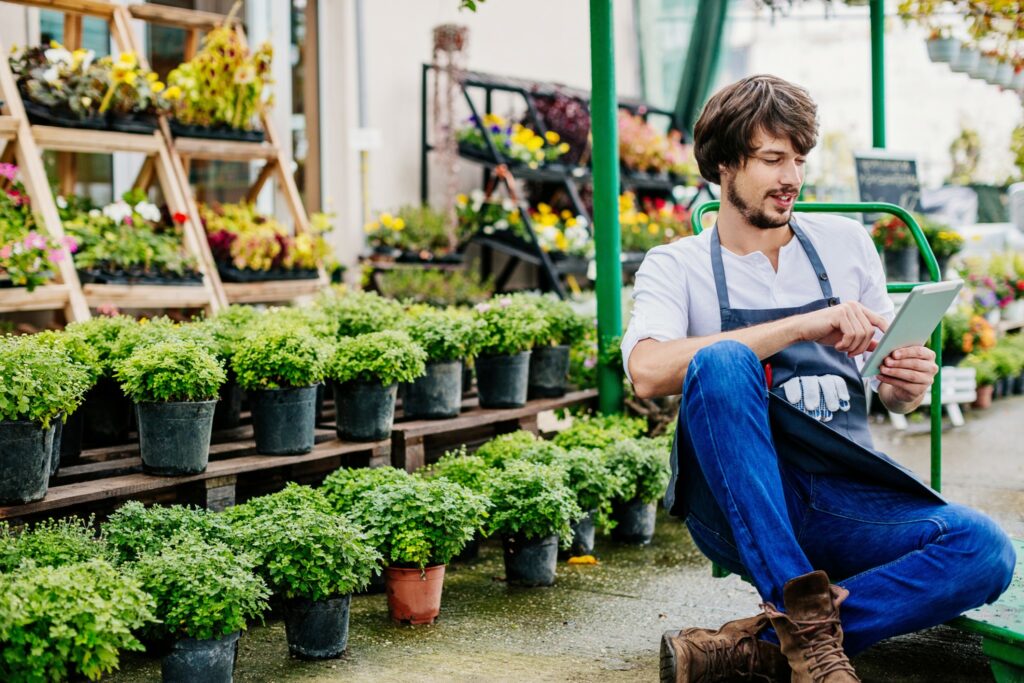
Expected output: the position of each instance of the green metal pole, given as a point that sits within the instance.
(604, 122)
(878, 73)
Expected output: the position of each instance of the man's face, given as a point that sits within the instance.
(764, 187)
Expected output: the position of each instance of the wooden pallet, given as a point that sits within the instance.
(107, 477)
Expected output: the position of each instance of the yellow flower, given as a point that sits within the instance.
(399, 224)
(131, 77)
(564, 147)
(371, 227)
(386, 219)
(561, 242)
(493, 120)
(570, 222)
(152, 76)
(461, 200)
(55, 45)
(128, 58)
(653, 228)
(566, 214)
(552, 137)
(643, 217)
(514, 217)
(535, 144)
(173, 92)
(157, 86)
(543, 208)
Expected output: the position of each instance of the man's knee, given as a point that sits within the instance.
(725, 362)
(989, 557)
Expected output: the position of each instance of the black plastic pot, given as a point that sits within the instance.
(71, 439)
(634, 522)
(228, 413)
(501, 381)
(436, 395)
(210, 661)
(58, 431)
(317, 629)
(221, 132)
(322, 392)
(284, 420)
(174, 438)
(902, 265)
(467, 377)
(530, 562)
(549, 371)
(133, 123)
(25, 454)
(377, 586)
(998, 388)
(229, 273)
(1018, 384)
(106, 415)
(364, 411)
(582, 537)
(470, 551)
(61, 116)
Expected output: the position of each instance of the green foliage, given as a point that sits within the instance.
(600, 431)
(60, 623)
(229, 327)
(51, 543)
(150, 331)
(984, 368)
(510, 326)
(280, 358)
(356, 312)
(386, 357)
(134, 530)
(78, 349)
(308, 552)
(416, 522)
(640, 468)
(202, 590)
(346, 487)
(38, 382)
(171, 371)
(457, 466)
(533, 500)
(562, 325)
(307, 318)
(293, 496)
(102, 333)
(507, 447)
(435, 287)
(593, 482)
(446, 335)
(583, 360)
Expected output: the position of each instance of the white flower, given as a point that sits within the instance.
(87, 59)
(504, 302)
(501, 224)
(118, 211)
(148, 211)
(482, 308)
(61, 202)
(95, 213)
(507, 204)
(488, 229)
(51, 75)
(58, 55)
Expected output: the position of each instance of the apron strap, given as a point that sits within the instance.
(718, 266)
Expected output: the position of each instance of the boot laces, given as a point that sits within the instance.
(821, 640)
(722, 657)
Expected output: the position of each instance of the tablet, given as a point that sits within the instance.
(915, 321)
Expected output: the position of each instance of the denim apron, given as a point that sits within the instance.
(841, 446)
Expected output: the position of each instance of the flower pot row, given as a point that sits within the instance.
(968, 59)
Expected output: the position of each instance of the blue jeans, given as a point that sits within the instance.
(908, 562)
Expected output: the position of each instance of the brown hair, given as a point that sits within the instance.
(725, 132)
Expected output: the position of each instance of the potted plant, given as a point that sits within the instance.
(533, 510)
(985, 377)
(600, 431)
(549, 361)
(467, 470)
(41, 383)
(281, 367)
(51, 543)
(966, 60)
(513, 142)
(418, 525)
(565, 236)
(509, 331)
(174, 385)
(69, 622)
(942, 47)
(228, 328)
(447, 337)
(505, 448)
(944, 242)
(896, 242)
(357, 312)
(314, 560)
(134, 530)
(204, 594)
(435, 287)
(413, 234)
(589, 476)
(366, 371)
(640, 468)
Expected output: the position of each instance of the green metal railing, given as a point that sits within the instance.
(893, 288)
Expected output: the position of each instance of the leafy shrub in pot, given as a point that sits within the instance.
(315, 560)
(227, 329)
(549, 362)
(510, 326)
(280, 367)
(448, 337)
(346, 487)
(464, 469)
(67, 622)
(38, 384)
(366, 371)
(51, 543)
(533, 510)
(175, 385)
(641, 470)
(600, 431)
(355, 312)
(135, 530)
(505, 448)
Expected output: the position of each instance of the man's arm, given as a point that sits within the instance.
(658, 368)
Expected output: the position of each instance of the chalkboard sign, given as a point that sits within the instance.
(891, 178)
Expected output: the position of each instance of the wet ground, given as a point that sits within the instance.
(603, 622)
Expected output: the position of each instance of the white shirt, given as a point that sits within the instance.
(675, 296)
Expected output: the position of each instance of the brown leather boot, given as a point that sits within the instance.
(810, 632)
(701, 655)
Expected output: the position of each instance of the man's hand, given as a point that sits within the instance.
(848, 327)
(906, 374)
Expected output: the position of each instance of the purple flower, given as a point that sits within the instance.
(9, 171)
(589, 362)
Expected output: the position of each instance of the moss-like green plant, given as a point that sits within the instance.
(446, 335)
(229, 327)
(171, 371)
(640, 468)
(293, 496)
(38, 382)
(511, 325)
(386, 357)
(561, 324)
(345, 487)
(148, 332)
(280, 358)
(458, 466)
(102, 333)
(51, 543)
(532, 500)
(505, 448)
(600, 431)
(356, 312)
(78, 349)
(134, 529)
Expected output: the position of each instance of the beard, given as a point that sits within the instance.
(754, 215)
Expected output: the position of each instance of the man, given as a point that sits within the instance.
(763, 323)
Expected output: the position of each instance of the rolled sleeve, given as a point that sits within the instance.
(659, 303)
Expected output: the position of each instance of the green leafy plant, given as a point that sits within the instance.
(149, 331)
(435, 287)
(562, 325)
(171, 371)
(600, 431)
(984, 368)
(505, 448)
(280, 358)
(229, 327)
(134, 530)
(355, 313)
(416, 522)
(588, 474)
(51, 543)
(103, 333)
(202, 590)
(308, 553)
(38, 382)
(464, 469)
(386, 357)
(445, 335)
(345, 487)
(533, 500)
(78, 349)
(58, 623)
(293, 497)
(640, 468)
(510, 326)
(414, 228)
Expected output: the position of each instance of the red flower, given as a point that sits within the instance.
(1020, 285)
(179, 217)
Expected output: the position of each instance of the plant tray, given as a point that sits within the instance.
(59, 116)
(182, 130)
(134, 123)
(229, 273)
(107, 277)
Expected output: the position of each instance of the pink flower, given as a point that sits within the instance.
(505, 302)
(109, 310)
(70, 244)
(589, 362)
(9, 171)
(55, 255)
(128, 220)
(16, 197)
(34, 240)
(5, 251)
(482, 308)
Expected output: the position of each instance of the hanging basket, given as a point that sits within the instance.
(943, 49)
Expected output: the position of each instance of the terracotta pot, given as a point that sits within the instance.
(984, 399)
(414, 596)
